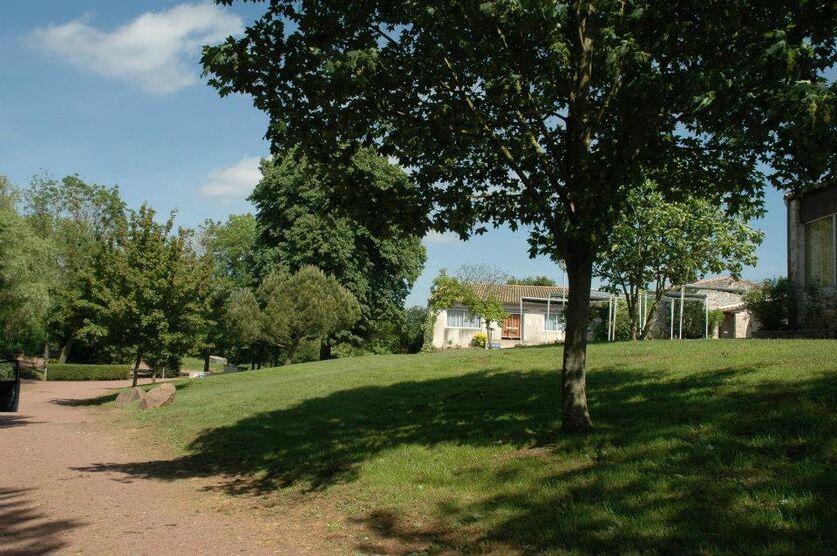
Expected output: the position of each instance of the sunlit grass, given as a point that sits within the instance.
(699, 447)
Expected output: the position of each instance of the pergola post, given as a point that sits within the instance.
(671, 332)
(706, 318)
(520, 325)
(548, 299)
(682, 301)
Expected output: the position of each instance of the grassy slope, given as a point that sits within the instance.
(719, 446)
(196, 364)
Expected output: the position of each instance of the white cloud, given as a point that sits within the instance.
(233, 182)
(439, 237)
(156, 51)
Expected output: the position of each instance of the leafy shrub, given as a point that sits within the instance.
(598, 322)
(716, 317)
(694, 319)
(412, 332)
(479, 340)
(164, 362)
(71, 371)
(818, 309)
(774, 303)
(308, 350)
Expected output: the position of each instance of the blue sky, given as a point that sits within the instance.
(112, 91)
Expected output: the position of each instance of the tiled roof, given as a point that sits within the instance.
(513, 293)
(723, 282)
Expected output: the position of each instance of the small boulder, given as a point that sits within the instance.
(128, 397)
(158, 397)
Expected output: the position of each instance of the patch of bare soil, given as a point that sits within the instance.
(60, 491)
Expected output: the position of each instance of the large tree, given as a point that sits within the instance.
(299, 225)
(546, 113)
(293, 308)
(149, 291)
(75, 217)
(26, 278)
(230, 247)
(665, 244)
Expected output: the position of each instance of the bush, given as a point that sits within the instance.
(412, 333)
(164, 363)
(716, 317)
(479, 340)
(598, 322)
(818, 309)
(774, 303)
(71, 371)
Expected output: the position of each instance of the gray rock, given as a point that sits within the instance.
(158, 397)
(128, 397)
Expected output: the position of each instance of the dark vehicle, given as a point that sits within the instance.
(9, 385)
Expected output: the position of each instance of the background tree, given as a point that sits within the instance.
(412, 332)
(230, 248)
(149, 291)
(231, 245)
(532, 281)
(546, 114)
(669, 244)
(242, 325)
(75, 217)
(299, 225)
(306, 305)
(27, 276)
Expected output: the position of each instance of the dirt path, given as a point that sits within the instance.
(49, 504)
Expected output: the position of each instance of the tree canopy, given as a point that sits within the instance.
(547, 114)
(74, 217)
(230, 245)
(27, 277)
(306, 305)
(532, 281)
(149, 291)
(661, 244)
(299, 224)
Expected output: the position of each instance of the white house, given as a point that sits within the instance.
(534, 318)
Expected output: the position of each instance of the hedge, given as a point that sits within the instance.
(72, 371)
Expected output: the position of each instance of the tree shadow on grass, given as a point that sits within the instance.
(26, 531)
(702, 463)
(695, 465)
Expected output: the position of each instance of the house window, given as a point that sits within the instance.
(819, 252)
(552, 323)
(461, 318)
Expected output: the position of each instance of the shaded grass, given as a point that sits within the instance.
(699, 447)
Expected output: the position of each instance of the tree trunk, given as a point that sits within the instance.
(65, 350)
(633, 313)
(325, 349)
(206, 361)
(46, 359)
(289, 355)
(136, 368)
(575, 416)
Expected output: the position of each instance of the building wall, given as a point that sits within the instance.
(533, 325)
(737, 323)
(533, 332)
(796, 244)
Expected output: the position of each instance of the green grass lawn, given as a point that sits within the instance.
(196, 364)
(700, 447)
